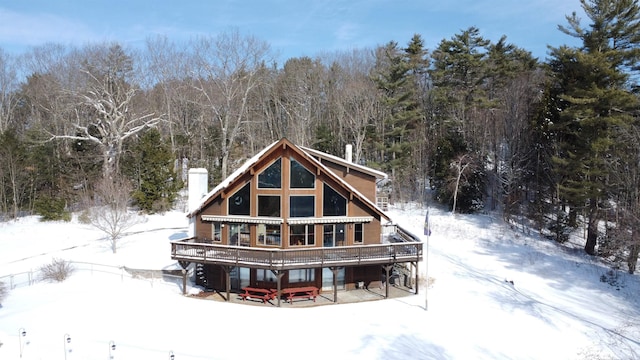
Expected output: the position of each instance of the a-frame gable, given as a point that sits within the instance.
(249, 167)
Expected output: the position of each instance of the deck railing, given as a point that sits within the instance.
(402, 249)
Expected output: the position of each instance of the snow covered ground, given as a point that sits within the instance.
(556, 308)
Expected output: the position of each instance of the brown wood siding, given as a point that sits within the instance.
(204, 228)
(364, 183)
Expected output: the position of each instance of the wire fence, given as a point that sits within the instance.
(163, 277)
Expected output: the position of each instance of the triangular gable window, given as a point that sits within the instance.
(333, 204)
(301, 178)
(271, 177)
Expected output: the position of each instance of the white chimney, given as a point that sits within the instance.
(198, 188)
(348, 153)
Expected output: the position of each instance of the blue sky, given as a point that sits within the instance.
(293, 28)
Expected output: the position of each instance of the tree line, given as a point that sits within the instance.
(552, 145)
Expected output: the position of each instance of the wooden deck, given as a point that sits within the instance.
(399, 250)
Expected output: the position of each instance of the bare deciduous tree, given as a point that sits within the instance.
(108, 209)
(106, 115)
(8, 87)
(227, 72)
(461, 167)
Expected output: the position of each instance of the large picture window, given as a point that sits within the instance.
(333, 204)
(301, 235)
(301, 178)
(240, 201)
(302, 275)
(269, 205)
(265, 275)
(301, 206)
(271, 177)
(269, 234)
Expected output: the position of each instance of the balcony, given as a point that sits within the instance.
(398, 247)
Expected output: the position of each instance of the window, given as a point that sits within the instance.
(301, 206)
(216, 231)
(333, 235)
(358, 233)
(271, 177)
(300, 177)
(333, 204)
(269, 205)
(269, 234)
(302, 275)
(240, 201)
(239, 235)
(300, 235)
(265, 275)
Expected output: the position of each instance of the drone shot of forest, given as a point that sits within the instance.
(549, 144)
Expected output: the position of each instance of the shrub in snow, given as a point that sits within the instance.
(52, 209)
(58, 270)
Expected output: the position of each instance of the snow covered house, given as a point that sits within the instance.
(293, 221)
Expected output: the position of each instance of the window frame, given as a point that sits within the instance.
(291, 206)
(265, 235)
(292, 174)
(309, 237)
(324, 201)
(306, 276)
(356, 232)
(216, 231)
(244, 232)
(268, 168)
(232, 200)
(265, 275)
(261, 196)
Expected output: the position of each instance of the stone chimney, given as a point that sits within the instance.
(348, 153)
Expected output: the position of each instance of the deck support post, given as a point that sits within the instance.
(279, 274)
(227, 271)
(184, 281)
(417, 277)
(334, 271)
(387, 271)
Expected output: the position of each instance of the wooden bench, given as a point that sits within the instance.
(308, 292)
(257, 293)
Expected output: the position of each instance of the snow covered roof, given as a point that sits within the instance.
(307, 153)
(341, 161)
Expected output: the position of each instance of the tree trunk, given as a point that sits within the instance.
(592, 229)
(634, 250)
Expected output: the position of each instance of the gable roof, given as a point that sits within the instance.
(349, 165)
(303, 152)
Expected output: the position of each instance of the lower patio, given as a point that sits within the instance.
(324, 298)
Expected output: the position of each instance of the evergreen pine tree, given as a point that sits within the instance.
(594, 98)
(401, 116)
(458, 74)
(150, 165)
